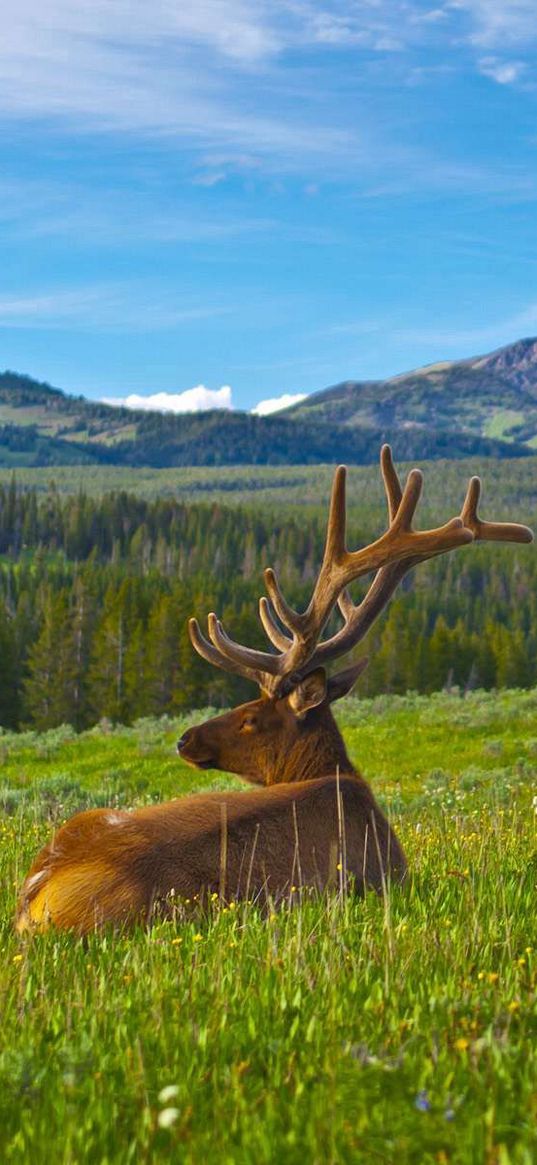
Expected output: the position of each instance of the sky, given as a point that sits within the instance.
(245, 201)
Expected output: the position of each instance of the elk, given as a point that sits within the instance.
(312, 813)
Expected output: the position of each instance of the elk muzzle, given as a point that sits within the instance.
(195, 751)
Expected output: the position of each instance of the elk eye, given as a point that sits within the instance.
(248, 724)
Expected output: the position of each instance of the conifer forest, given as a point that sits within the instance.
(96, 590)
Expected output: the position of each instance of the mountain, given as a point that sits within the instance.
(483, 406)
(493, 396)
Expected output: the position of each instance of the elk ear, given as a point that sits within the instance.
(343, 683)
(307, 694)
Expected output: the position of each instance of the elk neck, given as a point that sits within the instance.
(317, 750)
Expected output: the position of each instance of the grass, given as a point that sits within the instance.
(398, 1030)
(501, 422)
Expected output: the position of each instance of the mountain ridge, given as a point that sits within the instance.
(492, 395)
(485, 405)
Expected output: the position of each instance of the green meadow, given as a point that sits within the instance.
(334, 1029)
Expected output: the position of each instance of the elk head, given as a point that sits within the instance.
(276, 738)
(289, 733)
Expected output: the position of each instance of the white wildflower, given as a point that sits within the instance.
(168, 1093)
(167, 1117)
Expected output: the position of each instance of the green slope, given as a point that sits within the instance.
(489, 396)
(485, 406)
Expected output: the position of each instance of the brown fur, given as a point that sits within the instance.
(105, 866)
(109, 866)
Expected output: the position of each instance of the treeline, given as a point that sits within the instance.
(174, 537)
(95, 597)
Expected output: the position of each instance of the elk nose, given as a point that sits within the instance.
(181, 743)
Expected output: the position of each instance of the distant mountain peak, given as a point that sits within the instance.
(521, 355)
(493, 396)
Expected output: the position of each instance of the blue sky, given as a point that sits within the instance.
(263, 198)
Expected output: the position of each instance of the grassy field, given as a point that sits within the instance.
(337, 1030)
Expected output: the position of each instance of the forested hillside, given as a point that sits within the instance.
(483, 406)
(95, 594)
(490, 396)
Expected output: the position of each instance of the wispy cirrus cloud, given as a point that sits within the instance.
(478, 338)
(497, 23)
(185, 70)
(103, 308)
(504, 72)
(160, 69)
(113, 218)
(448, 342)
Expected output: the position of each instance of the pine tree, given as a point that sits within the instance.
(51, 668)
(441, 656)
(82, 618)
(136, 699)
(107, 694)
(9, 695)
(163, 657)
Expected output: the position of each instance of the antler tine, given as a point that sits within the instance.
(402, 519)
(392, 485)
(334, 552)
(212, 655)
(337, 517)
(289, 617)
(276, 636)
(256, 661)
(238, 665)
(490, 531)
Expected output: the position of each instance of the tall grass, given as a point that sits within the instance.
(396, 1029)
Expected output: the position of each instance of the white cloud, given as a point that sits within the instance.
(275, 403)
(504, 72)
(497, 23)
(192, 400)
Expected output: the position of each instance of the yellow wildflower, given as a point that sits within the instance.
(461, 1044)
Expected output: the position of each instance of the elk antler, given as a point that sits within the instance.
(359, 618)
(391, 556)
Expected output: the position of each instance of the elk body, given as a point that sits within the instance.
(311, 813)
